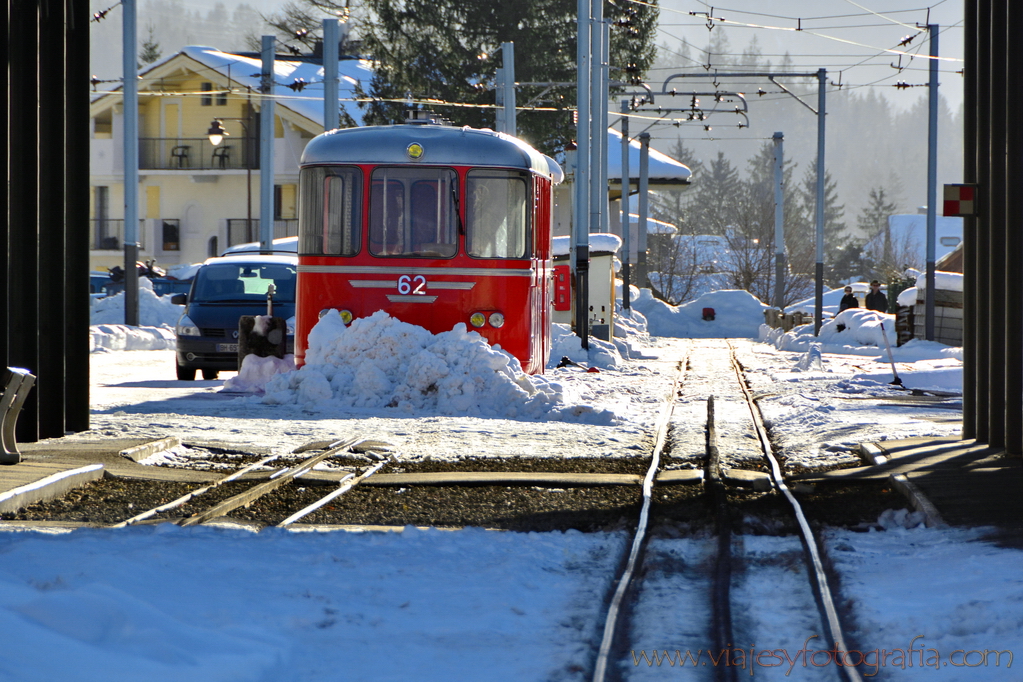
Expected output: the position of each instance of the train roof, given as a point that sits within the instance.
(441, 145)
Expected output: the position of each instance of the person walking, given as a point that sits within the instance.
(848, 301)
(875, 299)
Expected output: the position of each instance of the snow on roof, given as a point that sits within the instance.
(654, 226)
(308, 102)
(909, 234)
(600, 242)
(663, 170)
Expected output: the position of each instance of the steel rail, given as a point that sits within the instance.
(173, 504)
(347, 483)
(822, 591)
(639, 540)
(261, 489)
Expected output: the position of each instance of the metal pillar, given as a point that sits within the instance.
(779, 221)
(266, 147)
(331, 113)
(997, 225)
(644, 195)
(131, 164)
(626, 232)
(970, 319)
(818, 308)
(1013, 414)
(508, 72)
(580, 244)
(605, 154)
(932, 180)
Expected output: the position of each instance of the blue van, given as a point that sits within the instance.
(224, 290)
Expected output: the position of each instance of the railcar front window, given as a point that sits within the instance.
(328, 211)
(412, 212)
(497, 223)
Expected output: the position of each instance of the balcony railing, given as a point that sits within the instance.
(243, 230)
(107, 234)
(196, 153)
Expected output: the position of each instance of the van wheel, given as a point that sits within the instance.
(210, 374)
(186, 373)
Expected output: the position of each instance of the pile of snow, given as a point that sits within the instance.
(737, 314)
(600, 242)
(943, 281)
(154, 311)
(108, 337)
(848, 332)
(380, 362)
(157, 317)
(565, 344)
(256, 372)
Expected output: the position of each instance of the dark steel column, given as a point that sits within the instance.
(970, 235)
(52, 277)
(76, 224)
(983, 137)
(1013, 413)
(23, 245)
(5, 141)
(998, 224)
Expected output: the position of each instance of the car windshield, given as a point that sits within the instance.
(245, 282)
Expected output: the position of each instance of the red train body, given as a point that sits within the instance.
(434, 225)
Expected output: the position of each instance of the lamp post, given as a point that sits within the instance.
(216, 135)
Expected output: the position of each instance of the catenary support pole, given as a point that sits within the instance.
(605, 153)
(331, 112)
(626, 232)
(818, 308)
(131, 164)
(779, 221)
(580, 253)
(970, 318)
(932, 179)
(1014, 248)
(644, 195)
(997, 225)
(266, 147)
(508, 70)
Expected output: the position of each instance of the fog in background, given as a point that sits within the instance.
(876, 133)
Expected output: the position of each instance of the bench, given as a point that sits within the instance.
(17, 385)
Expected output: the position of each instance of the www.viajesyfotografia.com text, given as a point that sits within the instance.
(869, 662)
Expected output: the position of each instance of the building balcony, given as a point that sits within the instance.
(244, 231)
(196, 153)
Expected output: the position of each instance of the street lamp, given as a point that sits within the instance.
(217, 134)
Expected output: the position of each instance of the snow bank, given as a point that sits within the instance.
(107, 337)
(154, 311)
(849, 331)
(255, 372)
(737, 314)
(565, 344)
(380, 362)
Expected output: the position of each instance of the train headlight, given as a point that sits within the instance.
(477, 320)
(319, 315)
(346, 316)
(496, 320)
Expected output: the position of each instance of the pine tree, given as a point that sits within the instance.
(150, 51)
(874, 217)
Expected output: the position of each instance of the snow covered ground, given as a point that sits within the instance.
(211, 604)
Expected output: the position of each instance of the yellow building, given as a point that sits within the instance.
(196, 199)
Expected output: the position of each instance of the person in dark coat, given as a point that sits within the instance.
(848, 301)
(875, 299)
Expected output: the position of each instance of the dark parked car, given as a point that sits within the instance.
(223, 290)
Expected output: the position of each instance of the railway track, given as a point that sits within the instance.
(617, 653)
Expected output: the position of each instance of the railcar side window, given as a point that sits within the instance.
(412, 212)
(328, 211)
(497, 224)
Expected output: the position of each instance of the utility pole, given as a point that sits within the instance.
(266, 147)
(508, 74)
(932, 181)
(131, 164)
(331, 115)
(580, 242)
(626, 186)
(779, 221)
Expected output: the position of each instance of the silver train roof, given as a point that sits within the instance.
(441, 145)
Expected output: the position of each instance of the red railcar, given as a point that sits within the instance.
(434, 225)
